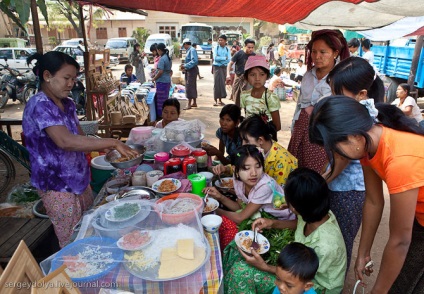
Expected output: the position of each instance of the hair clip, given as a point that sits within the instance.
(238, 154)
(369, 104)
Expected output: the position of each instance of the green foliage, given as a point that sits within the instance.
(53, 41)
(18, 10)
(177, 47)
(141, 35)
(264, 41)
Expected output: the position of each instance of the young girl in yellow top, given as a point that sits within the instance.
(257, 131)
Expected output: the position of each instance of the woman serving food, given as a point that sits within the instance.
(56, 144)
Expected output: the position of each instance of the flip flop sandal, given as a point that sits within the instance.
(221, 103)
(215, 104)
(194, 106)
(187, 108)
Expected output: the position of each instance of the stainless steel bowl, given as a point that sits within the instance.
(113, 155)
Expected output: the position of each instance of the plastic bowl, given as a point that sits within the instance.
(210, 206)
(103, 244)
(185, 217)
(113, 155)
(211, 222)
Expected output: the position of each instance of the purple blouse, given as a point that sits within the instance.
(53, 168)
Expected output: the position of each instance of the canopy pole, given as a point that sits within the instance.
(414, 64)
(36, 27)
(86, 61)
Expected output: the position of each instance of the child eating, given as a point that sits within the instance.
(252, 187)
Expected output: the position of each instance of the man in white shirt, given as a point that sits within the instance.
(300, 71)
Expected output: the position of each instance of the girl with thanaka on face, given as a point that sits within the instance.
(259, 99)
(253, 190)
(387, 142)
(279, 163)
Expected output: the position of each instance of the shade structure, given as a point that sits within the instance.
(307, 14)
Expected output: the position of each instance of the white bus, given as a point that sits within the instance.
(199, 34)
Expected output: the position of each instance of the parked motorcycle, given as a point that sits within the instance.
(78, 94)
(16, 86)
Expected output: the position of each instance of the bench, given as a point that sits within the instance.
(37, 233)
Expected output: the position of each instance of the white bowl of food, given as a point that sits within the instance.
(244, 241)
(225, 184)
(166, 186)
(211, 222)
(211, 205)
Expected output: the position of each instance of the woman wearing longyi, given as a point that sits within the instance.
(56, 144)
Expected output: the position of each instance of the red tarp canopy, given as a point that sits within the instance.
(308, 14)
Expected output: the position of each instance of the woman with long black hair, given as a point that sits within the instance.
(389, 145)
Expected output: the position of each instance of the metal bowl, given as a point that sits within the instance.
(113, 155)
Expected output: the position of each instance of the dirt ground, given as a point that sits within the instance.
(209, 114)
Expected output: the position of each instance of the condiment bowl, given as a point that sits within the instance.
(211, 222)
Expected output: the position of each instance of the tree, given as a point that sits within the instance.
(18, 10)
(64, 13)
(141, 35)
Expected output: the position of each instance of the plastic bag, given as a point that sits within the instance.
(184, 131)
(22, 193)
(278, 198)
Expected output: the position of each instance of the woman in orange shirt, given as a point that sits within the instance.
(389, 145)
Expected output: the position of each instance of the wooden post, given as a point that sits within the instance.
(88, 109)
(36, 24)
(414, 63)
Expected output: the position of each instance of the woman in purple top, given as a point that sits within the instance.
(56, 144)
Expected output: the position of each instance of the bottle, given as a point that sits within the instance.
(189, 166)
(201, 160)
(160, 159)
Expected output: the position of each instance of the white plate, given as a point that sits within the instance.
(246, 235)
(224, 180)
(156, 185)
(121, 245)
(110, 213)
(212, 205)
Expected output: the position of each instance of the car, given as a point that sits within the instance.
(77, 52)
(158, 38)
(16, 57)
(75, 42)
(296, 51)
(121, 47)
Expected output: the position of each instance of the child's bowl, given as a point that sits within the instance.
(211, 222)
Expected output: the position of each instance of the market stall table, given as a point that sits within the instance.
(208, 277)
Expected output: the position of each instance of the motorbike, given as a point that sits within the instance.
(78, 94)
(16, 86)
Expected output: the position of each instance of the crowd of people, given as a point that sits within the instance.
(345, 143)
